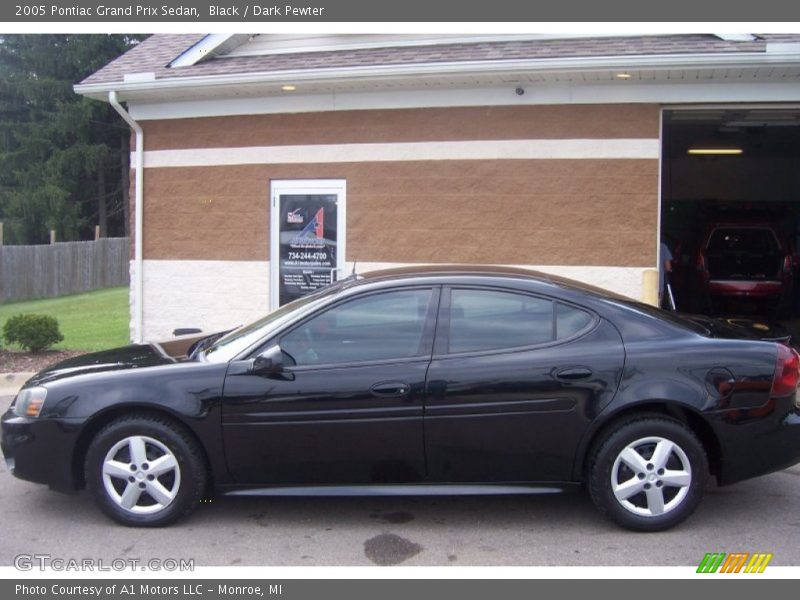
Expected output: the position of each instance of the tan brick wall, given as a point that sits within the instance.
(408, 125)
(542, 212)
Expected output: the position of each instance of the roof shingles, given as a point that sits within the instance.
(156, 52)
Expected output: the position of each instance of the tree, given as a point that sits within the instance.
(63, 157)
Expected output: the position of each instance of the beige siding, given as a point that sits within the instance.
(602, 121)
(559, 212)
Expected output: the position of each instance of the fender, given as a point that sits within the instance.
(191, 392)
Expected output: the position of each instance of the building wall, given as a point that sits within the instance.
(569, 189)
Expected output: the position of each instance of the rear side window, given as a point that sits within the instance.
(491, 320)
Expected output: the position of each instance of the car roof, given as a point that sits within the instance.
(446, 271)
(648, 320)
(453, 269)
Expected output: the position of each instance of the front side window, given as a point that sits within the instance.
(380, 326)
(491, 320)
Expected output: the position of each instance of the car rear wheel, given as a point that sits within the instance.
(145, 471)
(648, 474)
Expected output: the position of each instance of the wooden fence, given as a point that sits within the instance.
(46, 271)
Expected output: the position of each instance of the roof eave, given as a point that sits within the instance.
(129, 89)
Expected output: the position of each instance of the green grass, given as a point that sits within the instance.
(92, 321)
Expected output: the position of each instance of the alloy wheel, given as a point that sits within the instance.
(141, 475)
(651, 476)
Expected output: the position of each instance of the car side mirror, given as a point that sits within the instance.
(268, 362)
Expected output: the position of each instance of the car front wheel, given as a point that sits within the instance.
(145, 470)
(648, 474)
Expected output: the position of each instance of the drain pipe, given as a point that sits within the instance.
(138, 212)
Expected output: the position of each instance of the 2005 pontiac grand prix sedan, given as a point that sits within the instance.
(440, 380)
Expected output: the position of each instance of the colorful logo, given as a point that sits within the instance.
(313, 232)
(738, 562)
(315, 226)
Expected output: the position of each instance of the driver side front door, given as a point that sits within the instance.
(347, 408)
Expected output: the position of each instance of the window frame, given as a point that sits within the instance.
(426, 341)
(442, 337)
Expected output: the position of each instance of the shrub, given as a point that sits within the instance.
(32, 332)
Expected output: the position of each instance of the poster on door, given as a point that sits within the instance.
(307, 243)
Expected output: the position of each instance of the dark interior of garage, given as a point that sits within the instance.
(730, 211)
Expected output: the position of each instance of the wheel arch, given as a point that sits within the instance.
(103, 418)
(658, 408)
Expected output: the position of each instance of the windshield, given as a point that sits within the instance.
(727, 240)
(242, 338)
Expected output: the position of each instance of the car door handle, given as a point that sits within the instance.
(574, 373)
(390, 389)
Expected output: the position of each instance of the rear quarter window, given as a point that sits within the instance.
(570, 321)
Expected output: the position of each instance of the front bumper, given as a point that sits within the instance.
(40, 450)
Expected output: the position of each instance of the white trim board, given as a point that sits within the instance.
(355, 153)
(616, 92)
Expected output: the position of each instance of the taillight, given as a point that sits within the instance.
(787, 372)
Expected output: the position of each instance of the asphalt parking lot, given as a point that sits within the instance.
(759, 515)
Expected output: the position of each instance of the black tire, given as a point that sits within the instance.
(164, 443)
(678, 497)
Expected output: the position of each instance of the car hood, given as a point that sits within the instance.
(127, 357)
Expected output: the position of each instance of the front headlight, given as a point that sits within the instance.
(30, 401)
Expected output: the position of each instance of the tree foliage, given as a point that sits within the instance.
(61, 154)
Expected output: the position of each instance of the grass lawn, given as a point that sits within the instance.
(92, 321)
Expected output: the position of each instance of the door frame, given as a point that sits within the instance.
(303, 186)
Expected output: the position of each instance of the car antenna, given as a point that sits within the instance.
(353, 274)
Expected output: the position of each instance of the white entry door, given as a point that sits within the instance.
(307, 236)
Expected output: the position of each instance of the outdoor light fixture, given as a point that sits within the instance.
(715, 151)
(288, 88)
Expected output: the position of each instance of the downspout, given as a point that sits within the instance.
(138, 212)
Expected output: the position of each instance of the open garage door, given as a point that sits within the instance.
(730, 210)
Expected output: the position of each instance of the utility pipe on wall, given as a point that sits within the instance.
(138, 212)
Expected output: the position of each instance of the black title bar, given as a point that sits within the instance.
(442, 11)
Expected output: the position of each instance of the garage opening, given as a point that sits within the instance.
(730, 212)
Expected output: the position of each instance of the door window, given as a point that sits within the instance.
(491, 320)
(376, 327)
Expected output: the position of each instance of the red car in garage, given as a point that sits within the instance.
(746, 261)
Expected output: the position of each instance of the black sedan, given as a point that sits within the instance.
(440, 380)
